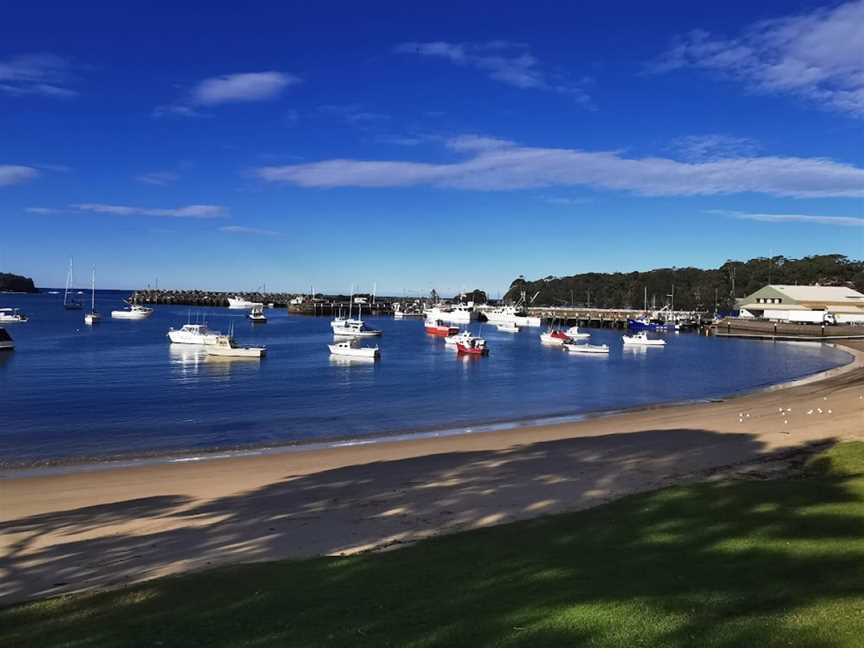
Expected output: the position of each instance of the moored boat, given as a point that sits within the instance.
(586, 348)
(641, 339)
(193, 334)
(226, 346)
(134, 312)
(440, 328)
(352, 349)
(93, 317)
(554, 337)
(475, 346)
(6, 343)
(256, 314)
(70, 303)
(12, 316)
(237, 302)
(463, 337)
(575, 334)
(508, 327)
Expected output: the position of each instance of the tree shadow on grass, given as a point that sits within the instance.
(711, 564)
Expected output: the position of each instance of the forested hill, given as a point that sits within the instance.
(694, 288)
(16, 283)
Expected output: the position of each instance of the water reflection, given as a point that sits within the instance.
(347, 361)
(186, 360)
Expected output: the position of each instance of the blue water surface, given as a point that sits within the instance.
(71, 392)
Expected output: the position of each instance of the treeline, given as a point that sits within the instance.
(694, 288)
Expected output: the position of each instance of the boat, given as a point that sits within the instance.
(453, 313)
(475, 346)
(256, 314)
(440, 328)
(645, 324)
(641, 339)
(12, 316)
(400, 311)
(6, 343)
(193, 334)
(463, 337)
(348, 327)
(570, 347)
(93, 317)
(226, 346)
(554, 337)
(352, 349)
(575, 334)
(70, 303)
(134, 312)
(237, 302)
(508, 327)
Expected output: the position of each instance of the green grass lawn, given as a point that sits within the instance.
(737, 563)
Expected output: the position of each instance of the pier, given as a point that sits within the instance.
(612, 317)
(299, 304)
(768, 330)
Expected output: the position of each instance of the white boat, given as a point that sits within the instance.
(237, 302)
(510, 315)
(354, 328)
(453, 313)
(6, 343)
(574, 333)
(93, 317)
(256, 314)
(193, 334)
(460, 338)
(554, 336)
(508, 327)
(226, 346)
(586, 348)
(641, 339)
(70, 303)
(12, 316)
(352, 349)
(134, 312)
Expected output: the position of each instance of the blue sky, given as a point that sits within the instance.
(449, 146)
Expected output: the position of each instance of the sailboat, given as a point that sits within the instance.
(92, 317)
(70, 303)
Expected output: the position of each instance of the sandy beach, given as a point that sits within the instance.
(107, 528)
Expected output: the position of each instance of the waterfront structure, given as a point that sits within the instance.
(805, 304)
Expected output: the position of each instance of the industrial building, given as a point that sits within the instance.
(808, 304)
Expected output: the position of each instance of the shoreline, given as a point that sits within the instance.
(62, 466)
(92, 530)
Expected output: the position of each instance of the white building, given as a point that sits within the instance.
(808, 304)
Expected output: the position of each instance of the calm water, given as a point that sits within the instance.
(69, 392)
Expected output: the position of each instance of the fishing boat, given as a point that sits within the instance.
(237, 302)
(256, 314)
(575, 334)
(93, 317)
(134, 312)
(463, 337)
(12, 316)
(6, 343)
(353, 349)
(570, 347)
(641, 339)
(453, 313)
(70, 303)
(227, 347)
(508, 327)
(193, 334)
(475, 346)
(554, 338)
(440, 328)
(353, 328)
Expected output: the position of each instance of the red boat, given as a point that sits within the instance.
(474, 346)
(561, 335)
(439, 328)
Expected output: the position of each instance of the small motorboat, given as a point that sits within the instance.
(475, 346)
(256, 314)
(554, 337)
(226, 346)
(508, 327)
(641, 339)
(193, 334)
(6, 343)
(575, 334)
(12, 316)
(352, 349)
(440, 328)
(464, 337)
(586, 348)
(134, 312)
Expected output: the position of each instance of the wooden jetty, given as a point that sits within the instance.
(294, 303)
(612, 317)
(767, 330)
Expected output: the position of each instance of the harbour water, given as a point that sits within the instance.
(73, 393)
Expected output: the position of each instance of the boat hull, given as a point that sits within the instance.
(587, 349)
(354, 352)
(131, 315)
(92, 318)
(236, 352)
(181, 337)
(442, 331)
(473, 351)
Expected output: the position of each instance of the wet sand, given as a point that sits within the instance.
(111, 527)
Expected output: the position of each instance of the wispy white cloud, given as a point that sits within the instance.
(254, 231)
(702, 148)
(160, 178)
(504, 61)
(816, 55)
(229, 88)
(519, 167)
(12, 174)
(843, 221)
(190, 211)
(37, 74)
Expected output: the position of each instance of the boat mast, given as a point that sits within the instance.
(93, 291)
(68, 279)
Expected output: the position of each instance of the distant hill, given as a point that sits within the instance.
(695, 288)
(16, 283)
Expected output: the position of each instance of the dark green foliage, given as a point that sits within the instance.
(16, 283)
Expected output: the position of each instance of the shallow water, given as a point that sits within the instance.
(71, 392)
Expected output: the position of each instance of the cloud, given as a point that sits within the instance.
(190, 211)
(159, 178)
(241, 229)
(701, 148)
(519, 167)
(477, 143)
(229, 88)
(37, 74)
(844, 221)
(816, 55)
(503, 61)
(12, 174)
